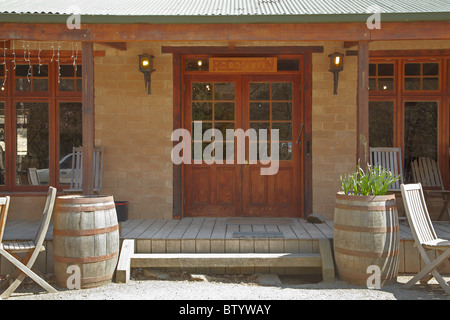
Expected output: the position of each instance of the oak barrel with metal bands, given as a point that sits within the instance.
(366, 233)
(85, 234)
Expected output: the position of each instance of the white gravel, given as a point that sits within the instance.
(290, 289)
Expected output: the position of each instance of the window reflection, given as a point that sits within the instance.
(421, 130)
(70, 135)
(32, 141)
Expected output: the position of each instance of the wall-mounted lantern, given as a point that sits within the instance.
(336, 66)
(146, 67)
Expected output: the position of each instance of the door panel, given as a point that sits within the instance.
(211, 188)
(272, 103)
(264, 104)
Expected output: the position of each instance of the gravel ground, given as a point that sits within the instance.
(185, 287)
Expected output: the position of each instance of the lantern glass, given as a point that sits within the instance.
(145, 63)
(336, 62)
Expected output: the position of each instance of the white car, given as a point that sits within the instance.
(65, 171)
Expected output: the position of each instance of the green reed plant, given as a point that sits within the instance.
(375, 181)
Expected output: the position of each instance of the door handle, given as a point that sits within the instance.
(300, 134)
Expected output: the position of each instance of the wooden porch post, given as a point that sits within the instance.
(362, 112)
(88, 115)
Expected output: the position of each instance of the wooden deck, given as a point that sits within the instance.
(226, 235)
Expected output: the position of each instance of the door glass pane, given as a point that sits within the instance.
(223, 126)
(282, 111)
(224, 111)
(285, 130)
(70, 135)
(381, 123)
(204, 126)
(260, 126)
(2, 143)
(282, 91)
(259, 110)
(32, 142)
(224, 91)
(201, 111)
(259, 91)
(421, 130)
(201, 91)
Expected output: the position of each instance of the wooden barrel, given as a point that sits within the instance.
(366, 233)
(85, 234)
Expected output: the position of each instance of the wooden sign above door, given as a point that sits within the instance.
(243, 65)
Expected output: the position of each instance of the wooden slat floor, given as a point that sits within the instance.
(209, 228)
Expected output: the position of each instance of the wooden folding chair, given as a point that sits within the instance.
(391, 160)
(31, 248)
(424, 236)
(427, 172)
(76, 181)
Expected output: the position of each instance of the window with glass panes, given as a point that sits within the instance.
(409, 108)
(40, 122)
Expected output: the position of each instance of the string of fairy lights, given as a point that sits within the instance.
(25, 46)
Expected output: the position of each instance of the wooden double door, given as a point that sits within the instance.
(226, 175)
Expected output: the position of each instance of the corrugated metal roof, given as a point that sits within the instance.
(220, 7)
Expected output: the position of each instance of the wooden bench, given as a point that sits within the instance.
(129, 259)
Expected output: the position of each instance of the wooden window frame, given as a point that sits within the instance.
(395, 77)
(400, 96)
(53, 98)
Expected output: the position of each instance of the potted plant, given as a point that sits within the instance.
(366, 236)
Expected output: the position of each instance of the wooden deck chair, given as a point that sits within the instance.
(391, 160)
(76, 180)
(31, 248)
(427, 172)
(424, 236)
(33, 178)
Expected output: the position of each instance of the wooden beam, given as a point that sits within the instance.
(88, 116)
(307, 136)
(177, 180)
(349, 44)
(253, 50)
(226, 32)
(362, 112)
(122, 46)
(124, 265)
